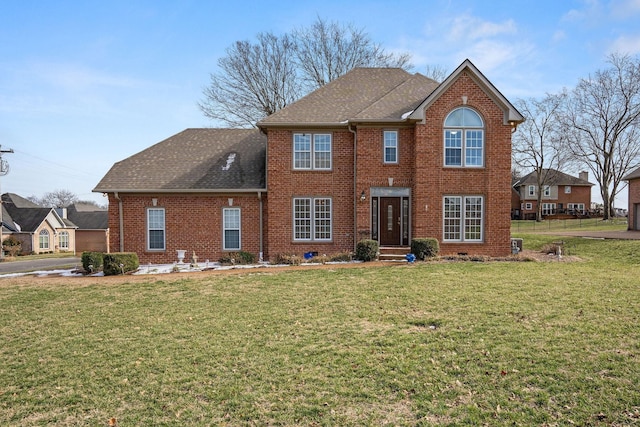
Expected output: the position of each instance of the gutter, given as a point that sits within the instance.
(177, 190)
(261, 243)
(355, 188)
(121, 220)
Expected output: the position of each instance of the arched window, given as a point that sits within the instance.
(464, 138)
(43, 240)
(63, 241)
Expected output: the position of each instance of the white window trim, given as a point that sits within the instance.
(60, 240)
(396, 147)
(462, 230)
(567, 189)
(313, 219)
(312, 165)
(463, 148)
(546, 190)
(164, 230)
(529, 206)
(548, 208)
(531, 190)
(225, 228)
(44, 240)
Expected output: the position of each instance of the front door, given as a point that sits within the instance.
(390, 220)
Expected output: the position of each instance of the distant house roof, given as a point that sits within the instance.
(88, 216)
(194, 160)
(633, 175)
(20, 214)
(552, 177)
(362, 94)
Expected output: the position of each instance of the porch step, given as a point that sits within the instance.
(393, 253)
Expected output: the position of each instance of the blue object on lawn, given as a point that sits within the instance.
(410, 257)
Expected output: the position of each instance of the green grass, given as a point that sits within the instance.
(447, 343)
(590, 224)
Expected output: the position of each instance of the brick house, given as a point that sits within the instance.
(563, 195)
(378, 153)
(633, 180)
(38, 229)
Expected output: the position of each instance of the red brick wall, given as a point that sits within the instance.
(420, 168)
(284, 184)
(634, 205)
(193, 222)
(433, 181)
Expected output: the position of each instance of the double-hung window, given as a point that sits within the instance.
(532, 190)
(390, 146)
(231, 232)
(463, 219)
(43, 239)
(312, 151)
(312, 219)
(546, 190)
(155, 229)
(63, 240)
(464, 138)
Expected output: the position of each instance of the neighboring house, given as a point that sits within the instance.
(562, 195)
(38, 229)
(92, 234)
(633, 212)
(378, 154)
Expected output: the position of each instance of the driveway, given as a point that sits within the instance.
(23, 266)
(621, 235)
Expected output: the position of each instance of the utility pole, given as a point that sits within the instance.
(4, 169)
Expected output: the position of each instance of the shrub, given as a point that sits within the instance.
(367, 250)
(92, 261)
(340, 257)
(120, 263)
(425, 248)
(11, 246)
(241, 257)
(286, 259)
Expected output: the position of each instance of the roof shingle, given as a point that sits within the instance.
(194, 159)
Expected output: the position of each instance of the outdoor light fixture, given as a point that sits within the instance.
(363, 196)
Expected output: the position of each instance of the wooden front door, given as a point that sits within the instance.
(390, 221)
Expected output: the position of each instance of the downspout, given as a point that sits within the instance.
(355, 188)
(120, 221)
(261, 253)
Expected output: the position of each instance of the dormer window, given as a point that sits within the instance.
(463, 139)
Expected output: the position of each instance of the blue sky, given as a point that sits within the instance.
(84, 84)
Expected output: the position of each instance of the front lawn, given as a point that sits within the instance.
(439, 343)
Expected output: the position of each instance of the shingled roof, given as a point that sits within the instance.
(193, 160)
(633, 175)
(553, 177)
(20, 214)
(362, 94)
(88, 216)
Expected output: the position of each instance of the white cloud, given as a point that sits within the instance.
(626, 45)
(473, 28)
(624, 9)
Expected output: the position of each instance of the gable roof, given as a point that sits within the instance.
(88, 216)
(194, 160)
(26, 216)
(633, 175)
(362, 94)
(553, 177)
(511, 114)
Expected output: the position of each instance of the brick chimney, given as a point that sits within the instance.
(584, 175)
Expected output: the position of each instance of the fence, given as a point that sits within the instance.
(524, 226)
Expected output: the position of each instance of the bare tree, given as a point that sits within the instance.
(602, 117)
(55, 199)
(436, 72)
(538, 144)
(255, 80)
(328, 50)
